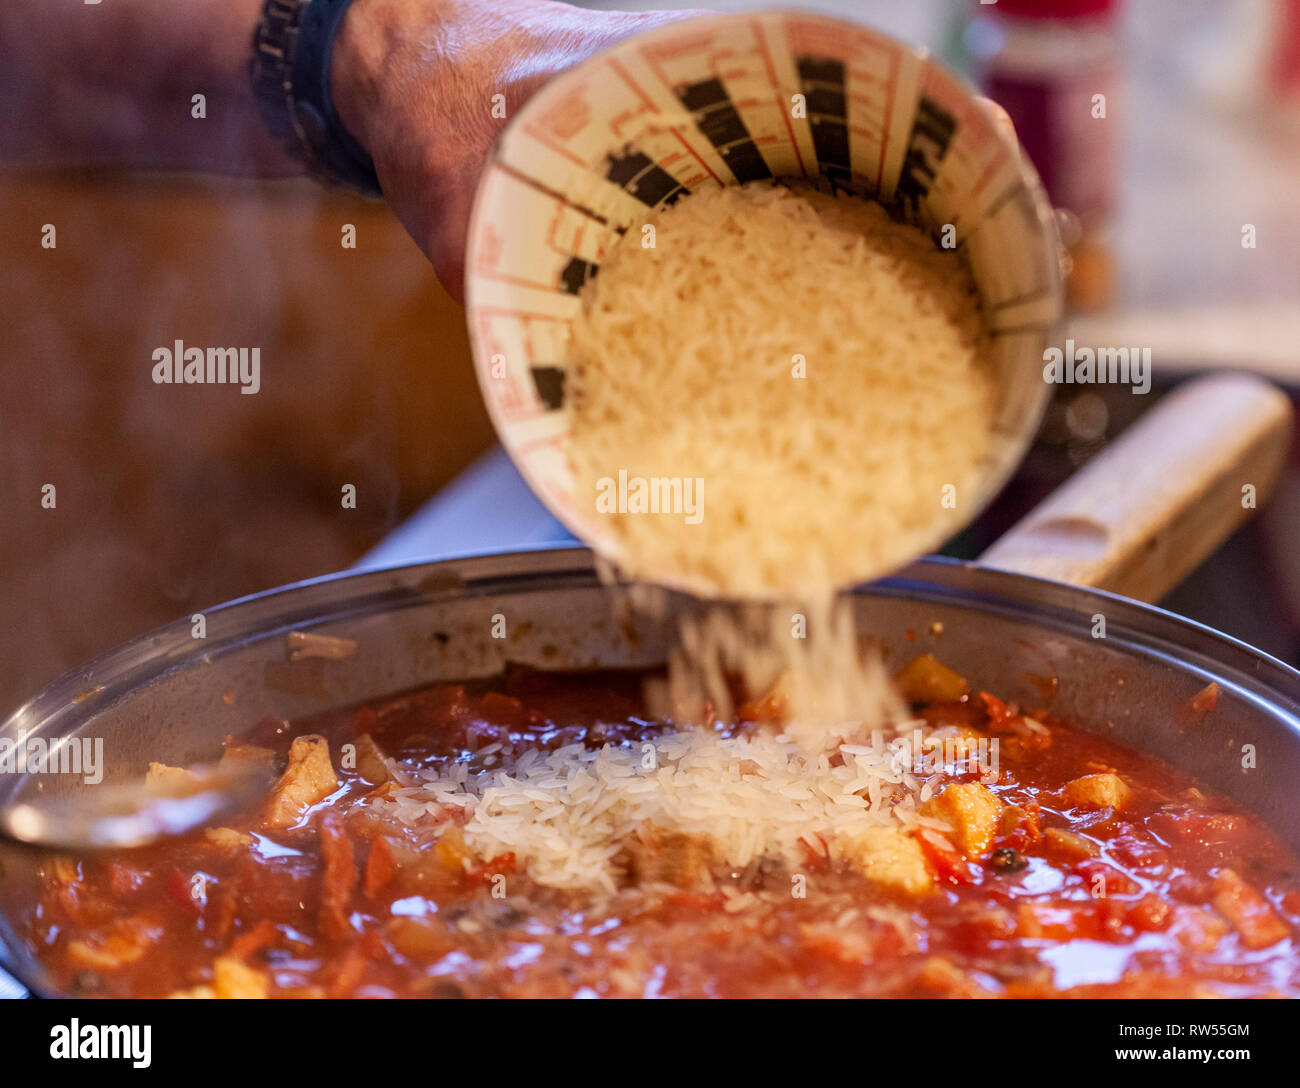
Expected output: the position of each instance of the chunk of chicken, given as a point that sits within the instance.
(943, 977)
(196, 993)
(889, 857)
(170, 779)
(308, 778)
(967, 751)
(1251, 915)
(972, 810)
(683, 860)
(925, 679)
(370, 761)
(227, 838)
(1098, 791)
(772, 706)
(1071, 845)
(160, 774)
(246, 755)
(1198, 930)
(127, 940)
(836, 942)
(231, 978)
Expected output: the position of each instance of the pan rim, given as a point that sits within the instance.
(92, 686)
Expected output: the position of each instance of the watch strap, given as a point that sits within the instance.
(290, 74)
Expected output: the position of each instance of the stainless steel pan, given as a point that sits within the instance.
(170, 696)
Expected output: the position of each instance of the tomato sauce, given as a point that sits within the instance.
(1160, 889)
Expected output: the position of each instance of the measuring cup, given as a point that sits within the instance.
(722, 101)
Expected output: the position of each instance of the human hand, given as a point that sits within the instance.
(413, 82)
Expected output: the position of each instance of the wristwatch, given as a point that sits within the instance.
(290, 73)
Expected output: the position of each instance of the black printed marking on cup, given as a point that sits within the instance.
(721, 124)
(640, 177)
(933, 129)
(821, 79)
(549, 381)
(576, 273)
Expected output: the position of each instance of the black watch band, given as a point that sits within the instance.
(290, 73)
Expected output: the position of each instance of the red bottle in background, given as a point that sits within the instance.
(1055, 66)
(1284, 69)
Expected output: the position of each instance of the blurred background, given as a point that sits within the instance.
(167, 504)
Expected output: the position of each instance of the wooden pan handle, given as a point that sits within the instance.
(1144, 513)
